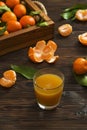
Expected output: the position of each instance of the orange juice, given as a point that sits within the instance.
(48, 89)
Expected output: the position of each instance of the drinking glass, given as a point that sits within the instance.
(48, 87)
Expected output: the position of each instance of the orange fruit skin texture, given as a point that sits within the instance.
(27, 20)
(20, 10)
(2, 3)
(12, 3)
(80, 66)
(7, 16)
(13, 26)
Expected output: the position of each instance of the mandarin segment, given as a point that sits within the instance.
(10, 74)
(52, 44)
(6, 83)
(47, 52)
(41, 45)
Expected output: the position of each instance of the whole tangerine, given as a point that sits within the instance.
(27, 20)
(13, 26)
(80, 66)
(12, 3)
(20, 10)
(7, 16)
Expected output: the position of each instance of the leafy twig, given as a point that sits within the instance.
(69, 13)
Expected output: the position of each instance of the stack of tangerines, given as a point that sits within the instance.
(17, 18)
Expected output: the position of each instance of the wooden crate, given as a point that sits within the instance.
(29, 36)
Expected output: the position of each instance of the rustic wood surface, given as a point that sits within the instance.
(18, 108)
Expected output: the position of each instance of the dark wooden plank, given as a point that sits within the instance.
(18, 108)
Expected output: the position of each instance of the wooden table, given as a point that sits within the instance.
(18, 108)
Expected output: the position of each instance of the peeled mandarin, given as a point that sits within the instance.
(65, 30)
(43, 51)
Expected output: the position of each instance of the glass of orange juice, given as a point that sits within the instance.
(48, 87)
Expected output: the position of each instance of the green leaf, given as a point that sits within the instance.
(42, 24)
(32, 13)
(81, 79)
(77, 6)
(69, 13)
(26, 71)
(4, 8)
(2, 30)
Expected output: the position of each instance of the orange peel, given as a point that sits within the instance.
(35, 55)
(43, 51)
(52, 59)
